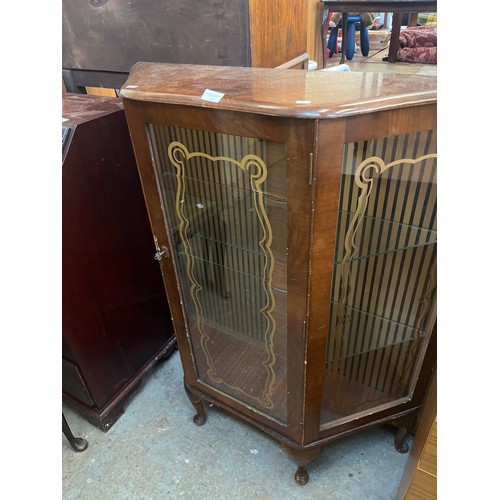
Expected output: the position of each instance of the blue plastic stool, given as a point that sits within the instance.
(349, 37)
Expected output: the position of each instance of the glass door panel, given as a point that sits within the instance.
(384, 275)
(225, 203)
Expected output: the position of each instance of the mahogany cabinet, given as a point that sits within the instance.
(296, 213)
(115, 318)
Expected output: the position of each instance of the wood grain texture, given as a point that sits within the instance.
(279, 24)
(300, 94)
(80, 108)
(313, 114)
(101, 91)
(299, 62)
(326, 185)
(428, 459)
(385, 124)
(423, 486)
(314, 44)
(300, 144)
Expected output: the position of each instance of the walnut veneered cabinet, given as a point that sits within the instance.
(296, 215)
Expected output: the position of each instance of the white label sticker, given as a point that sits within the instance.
(212, 96)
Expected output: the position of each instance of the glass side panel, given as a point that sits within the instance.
(225, 202)
(384, 274)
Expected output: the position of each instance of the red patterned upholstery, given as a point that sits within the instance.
(418, 44)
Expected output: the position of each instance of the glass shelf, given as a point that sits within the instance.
(234, 224)
(246, 269)
(239, 185)
(376, 237)
(233, 300)
(366, 332)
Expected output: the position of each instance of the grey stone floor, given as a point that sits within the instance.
(155, 451)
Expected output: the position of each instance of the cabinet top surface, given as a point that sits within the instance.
(81, 108)
(287, 92)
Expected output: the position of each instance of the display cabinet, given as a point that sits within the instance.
(115, 319)
(295, 212)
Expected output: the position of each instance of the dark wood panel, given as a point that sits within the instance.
(73, 383)
(112, 35)
(76, 80)
(381, 5)
(115, 312)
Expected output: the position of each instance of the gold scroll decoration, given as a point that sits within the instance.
(364, 182)
(256, 168)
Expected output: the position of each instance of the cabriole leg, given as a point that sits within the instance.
(399, 441)
(303, 458)
(404, 426)
(200, 418)
(78, 444)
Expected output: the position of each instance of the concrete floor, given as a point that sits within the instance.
(155, 451)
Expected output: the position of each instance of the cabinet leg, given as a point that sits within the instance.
(303, 458)
(78, 444)
(404, 426)
(200, 418)
(301, 475)
(399, 441)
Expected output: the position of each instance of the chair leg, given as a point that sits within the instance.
(345, 17)
(364, 41)
(78, 444)
(397, 18)
(350, 40)
(332, 41)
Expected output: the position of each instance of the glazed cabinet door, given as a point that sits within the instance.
(235, 246)
(382, 273)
